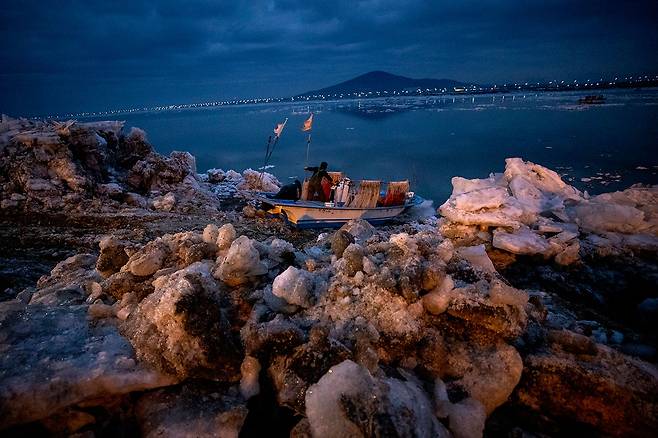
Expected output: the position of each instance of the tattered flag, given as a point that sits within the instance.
(308, 124)
(279, 128)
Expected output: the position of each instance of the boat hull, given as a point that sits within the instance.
(305, 214)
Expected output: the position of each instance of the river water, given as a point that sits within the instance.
(429, 140)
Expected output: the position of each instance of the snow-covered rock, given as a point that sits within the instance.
(254, 180)
(182, 329)
(165, 203)
(225, 236)
(149, 259)
(349, 401)
(210, 233)
(529, 203)
(242, 263)
(216, 175)
(489, 374)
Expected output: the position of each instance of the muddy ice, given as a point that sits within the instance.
(526, 306)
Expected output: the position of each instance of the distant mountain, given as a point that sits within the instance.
(382, 81)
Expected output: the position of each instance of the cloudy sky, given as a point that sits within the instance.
(70, 56)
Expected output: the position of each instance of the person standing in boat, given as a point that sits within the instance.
(319, 185)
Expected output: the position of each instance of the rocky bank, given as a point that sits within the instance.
(526, 307)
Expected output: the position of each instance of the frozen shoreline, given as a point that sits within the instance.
(176, 291)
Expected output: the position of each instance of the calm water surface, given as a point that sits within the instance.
(429, 140)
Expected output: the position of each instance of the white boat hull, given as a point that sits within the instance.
(309, 214)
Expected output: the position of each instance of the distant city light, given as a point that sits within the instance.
(552, 85)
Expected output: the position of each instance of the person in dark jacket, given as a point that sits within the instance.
(290, 192)
(318, 182)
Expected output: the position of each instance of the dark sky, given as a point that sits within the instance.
(62, 56)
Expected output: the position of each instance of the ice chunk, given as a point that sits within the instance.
(249, 370)
(490, 197)
(242, 263)
(340, 240)
(528, 195)
(295, 286)
(462, 185)
(500, 293)
(280, 249)
(564, 237)
(405, 242)
(53, 357)
(254, 180)
(225, 236)
(210, 233)
(477, 257)
(165, 203)
(149, 259)
(510, 214)
(436, 302)
(349, 402)
(216, 175)
(353, 259)
(323, 409)
(542, 178)
(181, 327)
(360, 229)
(521, 241)
(570, 255)
(489, 374)
(466, 418)
(601, 217)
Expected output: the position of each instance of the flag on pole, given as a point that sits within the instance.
(279, 128)
(308, 124)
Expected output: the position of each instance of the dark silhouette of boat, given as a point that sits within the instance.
(591, 100)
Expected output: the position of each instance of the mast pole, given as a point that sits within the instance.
(267, 153)
(308, 148)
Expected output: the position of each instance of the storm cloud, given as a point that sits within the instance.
(71, 56)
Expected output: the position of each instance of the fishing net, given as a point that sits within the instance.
(336, 176)
(367, 195)
(396, 193)
(305, 194)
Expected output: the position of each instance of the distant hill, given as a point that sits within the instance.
(381, 81)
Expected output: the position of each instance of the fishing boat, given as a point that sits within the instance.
(371, 200)
(592, 100)
(351, 200)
